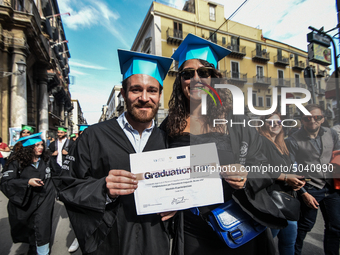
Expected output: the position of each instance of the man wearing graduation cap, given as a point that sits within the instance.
(60, 147)
(26, 130)
(100, 201)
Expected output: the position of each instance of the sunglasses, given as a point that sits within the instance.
(309, 118)
(203, 72)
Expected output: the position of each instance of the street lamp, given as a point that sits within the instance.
(59, 14)
(21, 68)
(59, 43)
(51, 98)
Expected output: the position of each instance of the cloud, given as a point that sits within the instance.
(87, 14)
(89, 66)
(77, 73)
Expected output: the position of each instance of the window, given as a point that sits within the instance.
(213, 37)
(279, 54)
(296, 59)
(280, 76)
(174, 63)
(235, 73)
(235, 43)
(212, 12)
(260, 101)
(258, 49)
(223, 41)
(297, 80)
(259, 73)
(268, 101)
(254, 99)
(178, 33)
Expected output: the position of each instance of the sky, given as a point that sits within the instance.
(96, 29)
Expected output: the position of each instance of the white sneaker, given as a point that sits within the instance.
(74, 246)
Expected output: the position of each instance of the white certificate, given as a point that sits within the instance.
(176, 179)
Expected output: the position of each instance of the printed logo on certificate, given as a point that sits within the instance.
(177, 179)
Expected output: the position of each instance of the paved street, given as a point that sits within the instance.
(63, 236)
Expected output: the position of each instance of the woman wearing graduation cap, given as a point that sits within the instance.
(27, 185)
(236, 145)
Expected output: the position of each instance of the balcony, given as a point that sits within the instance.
(237, 51)
(299, 85)
(321, 73)
(175, 36)
(280, 60)
(260, 55)
(298, 66)
(282, 82)
(236, 77)
(262, 80)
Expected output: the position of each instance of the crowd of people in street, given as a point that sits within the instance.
(90, 172)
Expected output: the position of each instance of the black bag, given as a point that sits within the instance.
(234, 226)
(288, 204)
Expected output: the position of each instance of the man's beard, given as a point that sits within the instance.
(61, 138)
(141, 116)
(310, 130)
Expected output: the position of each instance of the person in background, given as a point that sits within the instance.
(277, 154)
(48, 141)
(100, 198)
(82, 127)
(31, 195)
(312, 147)
(60, 148)
(3, 148)
(75, 244)
(25, 131)
(73, 137)
(336, 127)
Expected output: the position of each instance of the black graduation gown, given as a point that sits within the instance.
(66, 146)
(114, 228)
(30, 209)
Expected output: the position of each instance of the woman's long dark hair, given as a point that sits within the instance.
(24, 155)
(179, 108)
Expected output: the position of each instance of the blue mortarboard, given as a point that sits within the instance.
(132, 62)
(194, 47)
(31, 139)
(82, 127)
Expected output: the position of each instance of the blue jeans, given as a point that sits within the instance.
(287, 237)
(44, 249)
(329, 201)
(2, 162)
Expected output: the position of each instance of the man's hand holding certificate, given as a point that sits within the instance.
(176, 179)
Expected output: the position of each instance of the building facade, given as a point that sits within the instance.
(255, 62)
(114, 103)
(76, 117)
(32, 36)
